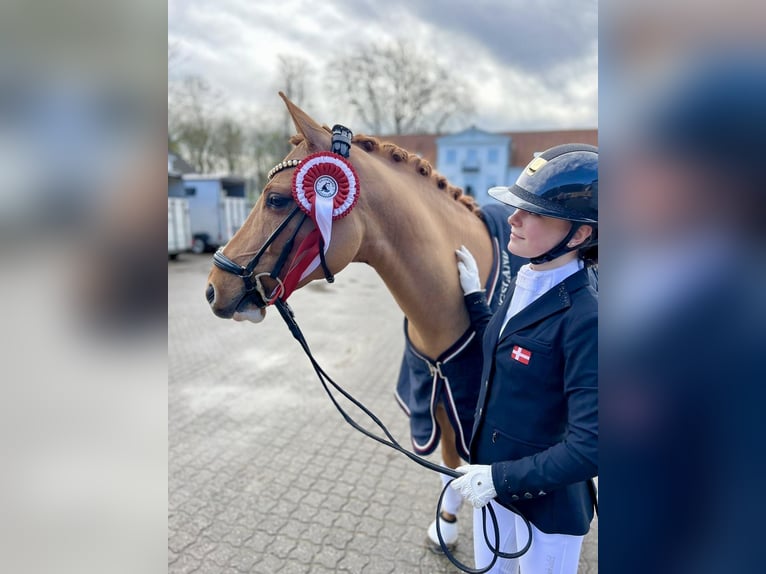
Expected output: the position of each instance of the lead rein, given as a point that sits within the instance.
(289, 318)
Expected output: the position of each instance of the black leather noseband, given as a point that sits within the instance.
(252, 282)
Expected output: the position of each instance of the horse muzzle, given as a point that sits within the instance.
(249, 312)
(249, 307)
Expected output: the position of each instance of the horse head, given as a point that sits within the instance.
(275, 232)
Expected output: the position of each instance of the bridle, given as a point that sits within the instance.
(254, 288)
(341, 145)
(253, 285)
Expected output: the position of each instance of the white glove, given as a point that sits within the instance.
(469, 271)
(476, 484)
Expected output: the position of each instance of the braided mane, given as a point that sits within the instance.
(400, 155)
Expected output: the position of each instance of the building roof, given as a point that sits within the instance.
(422, 144)
(523, 144)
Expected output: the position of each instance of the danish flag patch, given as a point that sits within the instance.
(521, 354)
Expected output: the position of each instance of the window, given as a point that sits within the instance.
(451, 156)
(493, 154)
(469, 190)
(471, 163)
(191, 191)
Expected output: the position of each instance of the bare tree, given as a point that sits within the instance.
(293, 72)
(395, 89)
(174, 58)
(192, 108)
(228, 144)
(265, 148)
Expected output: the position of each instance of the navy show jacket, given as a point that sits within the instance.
(536, 419)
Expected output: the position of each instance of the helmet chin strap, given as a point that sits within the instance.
(561, 249)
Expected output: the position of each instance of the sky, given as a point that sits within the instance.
(529, 65)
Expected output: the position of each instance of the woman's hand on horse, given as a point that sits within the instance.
(476, 484)
(469, 271)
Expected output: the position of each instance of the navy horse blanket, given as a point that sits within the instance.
(453, 377)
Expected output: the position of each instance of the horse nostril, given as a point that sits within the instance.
(210, 293)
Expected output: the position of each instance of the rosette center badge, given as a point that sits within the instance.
(325, 186)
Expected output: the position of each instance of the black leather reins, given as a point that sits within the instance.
(289, 318)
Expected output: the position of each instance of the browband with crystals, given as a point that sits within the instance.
(288, 163)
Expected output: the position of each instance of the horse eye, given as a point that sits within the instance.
(277, 201)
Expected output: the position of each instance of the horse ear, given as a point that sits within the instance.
(317, 137)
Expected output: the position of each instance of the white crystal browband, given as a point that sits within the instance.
(286, 164)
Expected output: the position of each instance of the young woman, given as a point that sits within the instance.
(535, 434)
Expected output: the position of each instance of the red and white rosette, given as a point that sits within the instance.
(326, 188)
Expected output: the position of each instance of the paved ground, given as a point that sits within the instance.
(264, 474)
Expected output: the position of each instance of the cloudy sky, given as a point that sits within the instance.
(529, 64)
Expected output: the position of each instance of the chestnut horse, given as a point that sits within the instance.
(407, 224)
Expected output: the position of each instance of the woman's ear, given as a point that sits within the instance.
(581, 236)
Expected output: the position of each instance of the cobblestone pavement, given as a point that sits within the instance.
(264, 474)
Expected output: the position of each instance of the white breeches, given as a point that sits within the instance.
(549, 553)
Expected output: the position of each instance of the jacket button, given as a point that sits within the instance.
(514, 497)
(527, 495)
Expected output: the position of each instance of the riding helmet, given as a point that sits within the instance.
(561, 182)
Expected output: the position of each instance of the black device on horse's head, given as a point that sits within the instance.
(341, 140)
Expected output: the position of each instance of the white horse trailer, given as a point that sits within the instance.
(179, 226)
(218, 208)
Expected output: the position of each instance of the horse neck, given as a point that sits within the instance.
(412, 230)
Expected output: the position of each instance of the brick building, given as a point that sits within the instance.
(477, 160)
